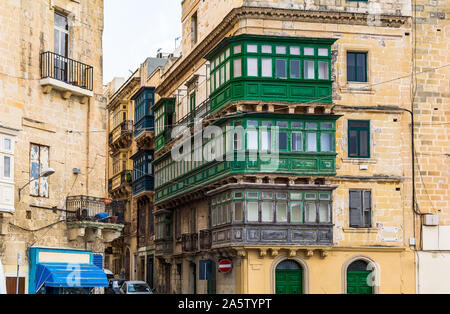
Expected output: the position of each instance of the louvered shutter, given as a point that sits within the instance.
(355, 209)
(367, 207)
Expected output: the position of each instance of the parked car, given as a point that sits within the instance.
(114, 286)
(135, 287)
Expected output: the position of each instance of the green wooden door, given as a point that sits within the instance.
(289, 281)
(357, 282)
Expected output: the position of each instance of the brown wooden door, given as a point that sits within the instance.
(11, 285)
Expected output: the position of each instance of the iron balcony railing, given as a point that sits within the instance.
(66, 70)
(88, 208)
(189, 242)
(200, 112)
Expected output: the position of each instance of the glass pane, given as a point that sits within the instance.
(364, 144)
(282, 212)
(361, 67)
(267, 195)
(281, 68)
(311, 126)
(266, 49)
(324, 212)
(267, 211)
(7, 144)
(237, 67)
(311, 142)
(353, 143)
(281, 50)
(61, 21)
(326, 141)
(254, 195)
(296, 213)
(282, 124)
(309, 52)
(220, 215)
(213, 216)
(309, 69)
(323, 70)
(252, 211)
(310, 212)
(281, 196)
(252, 123)
(7, 167)
(323, 52)
(252, 66)
(237, 49)
(222, 75)
(266, 67)
(228, 72)
(282, 141)
(252, 48)
(297, 125)
(326, 126)
(266, 141)
(252, 139)
(296, 196)
(351, 67)
(295, 68)
(297, 142)
(295, 51)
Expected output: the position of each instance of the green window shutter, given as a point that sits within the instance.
(356, 66)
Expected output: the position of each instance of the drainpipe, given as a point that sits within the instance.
(88, 128)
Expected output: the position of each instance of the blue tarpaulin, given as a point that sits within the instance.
(64, 275)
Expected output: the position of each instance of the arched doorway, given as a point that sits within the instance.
(289, 278)
(360, 278)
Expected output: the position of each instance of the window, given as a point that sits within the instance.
(252, 48)
(326, 142)
(296, 212)
(266, 67)
(280, 50)
(282, 141)
(238, 211)
(356, 66)
(311, 142)
(252, 67)
(297, 142)
(7, 167)
(252, 139)
(237, 69)
(267, 212)
(323, 70)
(360, 209)
(194, 28)
(309, 51)
(61, 35)
(281, 71)
(295, 69)
(39, 161)
(309, 69)
(359, 139)
(252, 212)
(282, 210)
(266, 49)
(295, 51)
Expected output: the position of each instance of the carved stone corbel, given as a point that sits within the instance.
(274, 252)
(324, 253)
(309, 253)
(292, 253)
(262, 253)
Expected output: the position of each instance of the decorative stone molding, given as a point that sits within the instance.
(262, 253)
(274, 252)
(309, 253)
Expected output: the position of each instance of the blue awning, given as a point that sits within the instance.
(64, 275)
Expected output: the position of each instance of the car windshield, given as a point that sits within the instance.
(138, 287)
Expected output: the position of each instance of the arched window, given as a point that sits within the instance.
(360, 278)
(289, 278)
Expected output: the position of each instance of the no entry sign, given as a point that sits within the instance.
(225, 266)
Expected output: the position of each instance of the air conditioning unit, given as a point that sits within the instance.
(431, 220)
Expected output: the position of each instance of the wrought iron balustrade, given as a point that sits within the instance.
(66, 70)
(205, 239)
(87, 208)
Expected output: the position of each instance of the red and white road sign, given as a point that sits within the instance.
(225, 266)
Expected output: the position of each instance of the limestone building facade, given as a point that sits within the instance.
(53, 121)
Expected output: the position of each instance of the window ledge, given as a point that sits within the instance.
(360, 230)
(359, 161)
(358, 88)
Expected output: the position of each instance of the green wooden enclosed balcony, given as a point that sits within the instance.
(269, 68)
(253, 144)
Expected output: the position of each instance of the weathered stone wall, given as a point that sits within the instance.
(73, 130)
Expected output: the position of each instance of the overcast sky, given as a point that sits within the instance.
(135, 30)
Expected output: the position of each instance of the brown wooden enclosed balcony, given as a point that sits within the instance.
(66, 75)
(121, 136)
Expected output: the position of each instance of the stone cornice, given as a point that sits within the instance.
(216, 35)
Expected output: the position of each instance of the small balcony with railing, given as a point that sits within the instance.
(69, 76)
(121, 136)
(92, 217)
(189, 243)
(121, 183)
